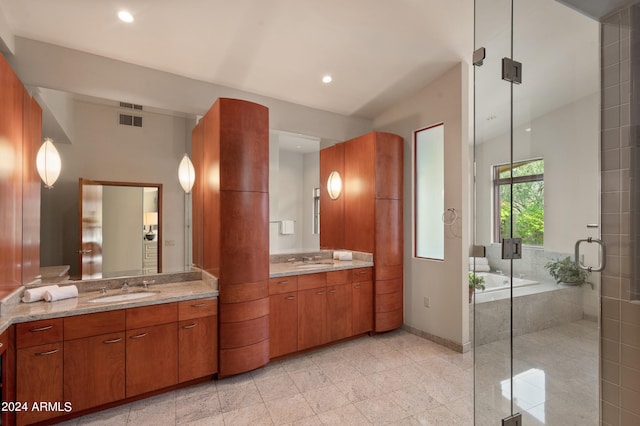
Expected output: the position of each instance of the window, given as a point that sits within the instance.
(528, 201)
(429, 192)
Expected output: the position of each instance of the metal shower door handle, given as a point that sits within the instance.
(603, 255)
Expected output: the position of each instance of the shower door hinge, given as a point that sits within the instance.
(511, 71)
(477, 251)
(512, 248)
(478, 56)
(514, 420)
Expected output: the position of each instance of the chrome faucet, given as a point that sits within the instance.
(146, 283)
(125, 287)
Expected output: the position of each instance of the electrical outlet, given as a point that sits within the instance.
(169, 243)
(427, 302)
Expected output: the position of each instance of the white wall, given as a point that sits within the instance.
(104, 150)
(444, 282)
(45, 65)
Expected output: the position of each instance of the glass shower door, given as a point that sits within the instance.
(537, 182)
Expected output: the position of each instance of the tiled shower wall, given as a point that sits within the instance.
(620, 328)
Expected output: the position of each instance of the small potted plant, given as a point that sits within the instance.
(475, 282)
(566, 271)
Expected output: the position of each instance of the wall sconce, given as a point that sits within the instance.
(48, 163)
(334, 185)
(186, 174)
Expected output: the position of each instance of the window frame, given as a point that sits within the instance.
(497, 182)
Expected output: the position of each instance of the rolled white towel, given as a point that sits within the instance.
(35, 294)
(66, 292)
(481, 268)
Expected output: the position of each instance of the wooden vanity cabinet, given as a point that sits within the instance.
(38, 368)
(7, 373)
(197, 338)
(94, 359)
(312, 318)
(151, 348)
(362, 300)
(283, 316)
(338, 305)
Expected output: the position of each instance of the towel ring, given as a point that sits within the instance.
(453, 216)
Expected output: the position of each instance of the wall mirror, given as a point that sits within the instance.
(294, 184)
(120, 159)
(120, 229)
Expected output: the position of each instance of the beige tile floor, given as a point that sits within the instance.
(394, 378)
(555, 377)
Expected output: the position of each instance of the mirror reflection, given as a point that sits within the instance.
(119, 229)
(95, 141)
(294, 198)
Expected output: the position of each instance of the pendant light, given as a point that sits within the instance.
(48, 163)
(186, 174)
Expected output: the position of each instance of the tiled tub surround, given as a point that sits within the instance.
(536, 307)
(170, 287)
(552, 306)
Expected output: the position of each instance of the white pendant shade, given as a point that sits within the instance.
(186, 174)
(48, 163)
(334, 185)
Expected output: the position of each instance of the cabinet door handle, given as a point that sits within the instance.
(198, 305)
(321, 292)
(332, 291)
(356, 286)
(288, 298)
(112, 340)
(283, 282)
(47, 327)
(1, 345)
(362, 272)
(47, 352)
(189, 326)
(138, 336)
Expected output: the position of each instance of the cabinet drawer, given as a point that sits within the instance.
(38, 332)
(309, 281)
(151, 315)
(80, 326)
(283, 285)
(361, 274)
(197, 308)
(339, 277)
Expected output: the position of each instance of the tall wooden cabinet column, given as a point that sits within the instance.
(20, 137)
(372, 215)
(231, 226)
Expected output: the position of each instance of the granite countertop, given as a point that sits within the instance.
(166, 293)
(312, 267)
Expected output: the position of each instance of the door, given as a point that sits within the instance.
(90, 246)
(537, 192)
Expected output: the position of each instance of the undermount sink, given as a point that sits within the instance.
(123, 297)
(313, 265)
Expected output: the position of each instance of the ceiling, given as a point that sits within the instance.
(377, 51)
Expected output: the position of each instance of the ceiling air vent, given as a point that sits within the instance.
(130, 120)
(130, 106)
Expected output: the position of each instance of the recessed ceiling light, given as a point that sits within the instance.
(327, 79)
(125, 16)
